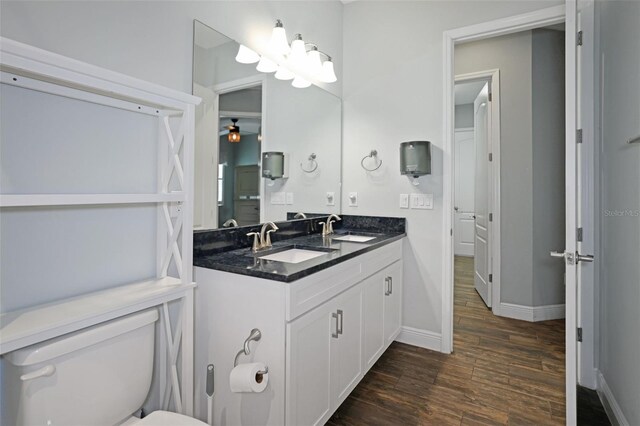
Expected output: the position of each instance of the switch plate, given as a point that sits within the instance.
(289, 198)
(422, 201)
(353, 199)
(331, 198)
(404, 201)
(278, 198)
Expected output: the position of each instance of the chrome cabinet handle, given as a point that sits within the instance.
(340, 317)
(386, 286)
(390, 285)
(335, 335)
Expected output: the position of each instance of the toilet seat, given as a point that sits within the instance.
(167, 418)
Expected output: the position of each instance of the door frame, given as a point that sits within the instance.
(504, 26)
(493, 146)
(227, 87)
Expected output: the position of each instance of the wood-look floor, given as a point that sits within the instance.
(502, 371)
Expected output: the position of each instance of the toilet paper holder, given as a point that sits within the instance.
(255, 335)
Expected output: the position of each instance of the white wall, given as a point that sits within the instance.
(389, 101)
(620, 192)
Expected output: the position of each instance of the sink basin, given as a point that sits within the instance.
(294, 255)
(354, 238)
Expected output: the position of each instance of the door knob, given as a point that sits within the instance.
(456, 208)
(557, 254)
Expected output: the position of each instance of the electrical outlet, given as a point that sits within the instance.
(331, 198)
(404, 201)
(353, 199)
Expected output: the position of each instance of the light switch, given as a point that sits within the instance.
(422, 201)
(331, 198)
(428, 201)
(353, 199)
(404, 201)
(289, 198)
(278, 198)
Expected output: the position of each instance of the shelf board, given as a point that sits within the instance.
(32, 200)
(25, 327)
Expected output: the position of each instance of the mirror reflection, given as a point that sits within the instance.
(263, 147)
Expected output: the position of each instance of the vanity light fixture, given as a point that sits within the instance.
(278, 44)
(300, 83)
(284, 74)
(246, 55)
(296, 57)
(266, 65)
(234, 131)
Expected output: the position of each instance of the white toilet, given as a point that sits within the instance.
(96, 376)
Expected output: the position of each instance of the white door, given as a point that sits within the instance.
(482, 256)
(464, 177)
(573, 175)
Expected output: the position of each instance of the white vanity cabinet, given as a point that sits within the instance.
(320, 335)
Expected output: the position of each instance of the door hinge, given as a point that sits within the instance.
(451, 232)
(579, 334)
(490, 96)
(579, 38)
(490, 278)
(491, 156)
(579, 136)
(490, 217)
(579, 235)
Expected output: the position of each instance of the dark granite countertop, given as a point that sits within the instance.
(244, 261)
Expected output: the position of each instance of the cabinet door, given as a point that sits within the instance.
(392, 281)
(373, 338)
(309, 357)
(346, 350)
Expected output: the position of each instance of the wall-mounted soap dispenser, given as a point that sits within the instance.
(415, 159)
(274, 165)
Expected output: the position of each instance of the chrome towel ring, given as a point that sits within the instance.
(373, 154)
(314, 164)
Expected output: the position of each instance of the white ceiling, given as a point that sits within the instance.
(466, 93)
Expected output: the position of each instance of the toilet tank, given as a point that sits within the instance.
(96, 376)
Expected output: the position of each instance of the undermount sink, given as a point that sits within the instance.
(294, 255)
(354, 238)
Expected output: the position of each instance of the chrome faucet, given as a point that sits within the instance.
(262, 239)
(327, 227)
(300, 215)
(230, 222)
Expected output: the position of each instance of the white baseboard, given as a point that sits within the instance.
(609, 402)
(421, 338)
(531, 313)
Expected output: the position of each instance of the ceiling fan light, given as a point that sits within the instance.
(266, 65)
(246, 55)
(234, 131)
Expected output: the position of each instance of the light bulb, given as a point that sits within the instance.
(278, 43)
(246, 55)
(266, 65)
(328, 75)
(314, 62)
(298, 52)
(300, 83)
(284, 74)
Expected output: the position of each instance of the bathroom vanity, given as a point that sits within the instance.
(324, 320)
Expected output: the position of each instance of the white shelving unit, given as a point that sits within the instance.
(39, 70)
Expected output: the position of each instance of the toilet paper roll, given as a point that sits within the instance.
(245, 378)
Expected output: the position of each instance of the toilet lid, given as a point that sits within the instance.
(166, 418)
